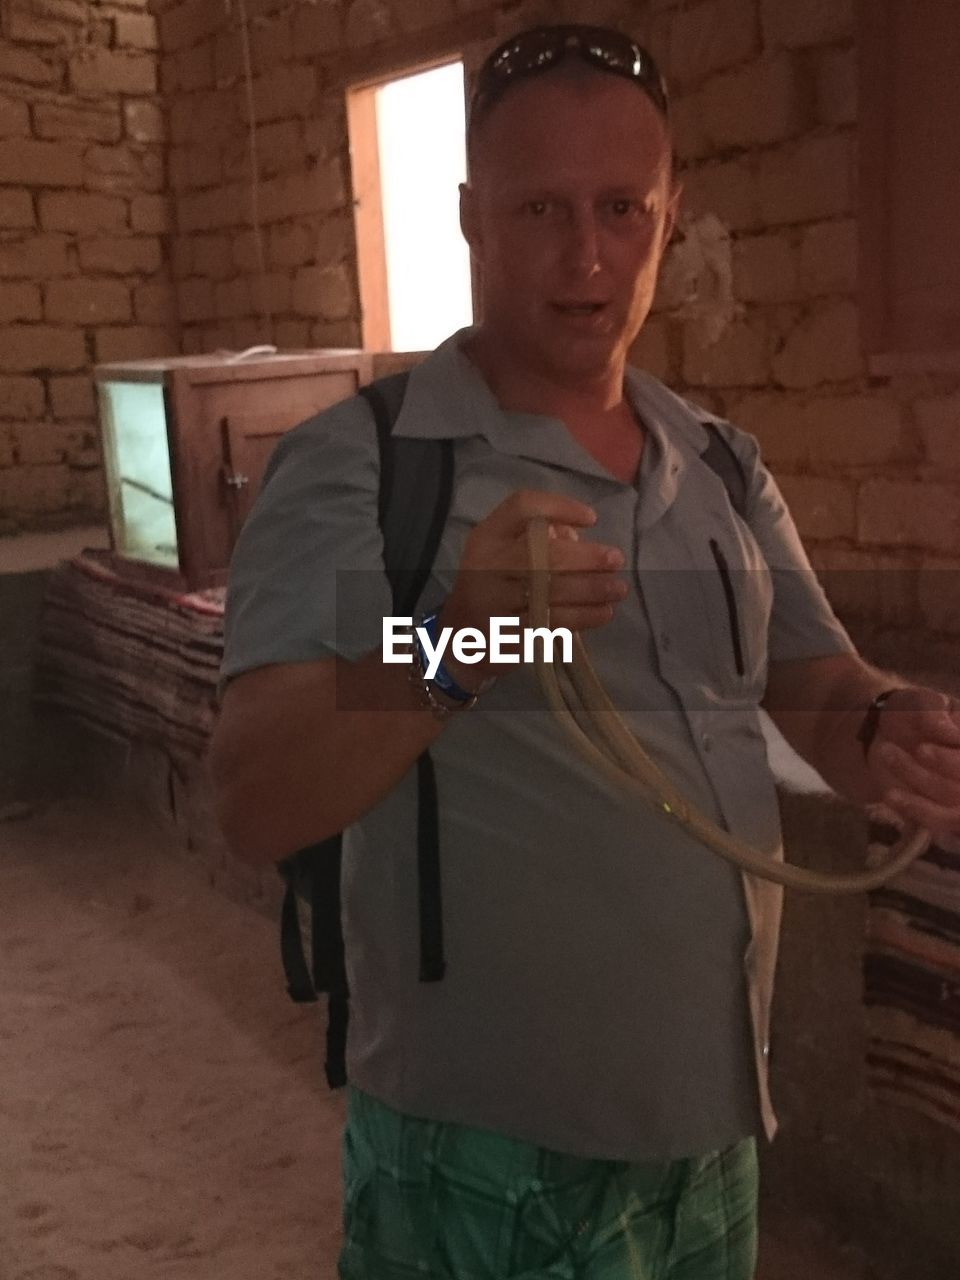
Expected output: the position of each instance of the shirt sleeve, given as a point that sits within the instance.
(802, 621)
(306, 578)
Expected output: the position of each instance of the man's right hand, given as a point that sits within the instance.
(493, 577)
(302, 749)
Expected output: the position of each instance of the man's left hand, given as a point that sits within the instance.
(915, 760)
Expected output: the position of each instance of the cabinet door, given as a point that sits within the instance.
(248, 441)
(225, 432)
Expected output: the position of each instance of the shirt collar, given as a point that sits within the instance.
(677, 427)
(448, 398)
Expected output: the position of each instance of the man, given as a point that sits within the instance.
(580, 1095)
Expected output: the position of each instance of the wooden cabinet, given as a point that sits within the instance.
(185, 444)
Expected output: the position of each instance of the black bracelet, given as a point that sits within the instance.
(868, 729)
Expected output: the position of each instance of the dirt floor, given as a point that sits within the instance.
(162, 1103)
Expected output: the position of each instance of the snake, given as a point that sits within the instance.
(609, 745)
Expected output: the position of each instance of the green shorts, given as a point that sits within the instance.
(438, 1200)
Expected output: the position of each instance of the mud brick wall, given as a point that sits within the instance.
(758, 312)
(757, 315)
(83, 248)
(302, 56)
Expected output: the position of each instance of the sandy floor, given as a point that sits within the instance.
(162, 1103)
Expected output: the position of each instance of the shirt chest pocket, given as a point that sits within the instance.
(711, 615)
(737, 596)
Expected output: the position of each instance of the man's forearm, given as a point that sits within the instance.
(302, 750)
(819, 706)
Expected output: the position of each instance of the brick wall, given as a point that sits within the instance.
(757, 314)
(83, 221)
(303, 293)
(303, 54)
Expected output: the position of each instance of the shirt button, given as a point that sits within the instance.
(766, 1049)
(706, 741)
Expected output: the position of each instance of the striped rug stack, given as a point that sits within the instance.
(131, 659)
(912, 987)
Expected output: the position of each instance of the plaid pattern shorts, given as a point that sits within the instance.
(439, 1201)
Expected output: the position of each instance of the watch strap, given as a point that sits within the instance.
(868, 729)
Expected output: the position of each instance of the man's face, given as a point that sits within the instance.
(570, 206)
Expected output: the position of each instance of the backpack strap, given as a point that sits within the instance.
(433, 964)
(300, 984)
(313, 874)
(721, 458)
(329, 960)
(416, 485)
(300, 872)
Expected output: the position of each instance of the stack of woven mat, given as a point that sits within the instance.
(132, 659)
(912, 988)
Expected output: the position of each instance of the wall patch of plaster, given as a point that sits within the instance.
(696, 281)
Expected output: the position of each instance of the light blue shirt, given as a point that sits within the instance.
(608, 981)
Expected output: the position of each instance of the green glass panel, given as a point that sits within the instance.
(138, 471)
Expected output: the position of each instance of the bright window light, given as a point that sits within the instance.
(421, 139)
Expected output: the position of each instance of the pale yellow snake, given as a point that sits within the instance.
(610, 745)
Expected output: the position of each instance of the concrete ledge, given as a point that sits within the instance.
(30, 552)
(171, 795)
(882, 1176)
(21, 601)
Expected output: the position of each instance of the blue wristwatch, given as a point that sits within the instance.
(442, 678)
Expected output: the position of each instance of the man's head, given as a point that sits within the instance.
(571, 198)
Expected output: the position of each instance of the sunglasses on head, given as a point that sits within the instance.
(542, 48)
